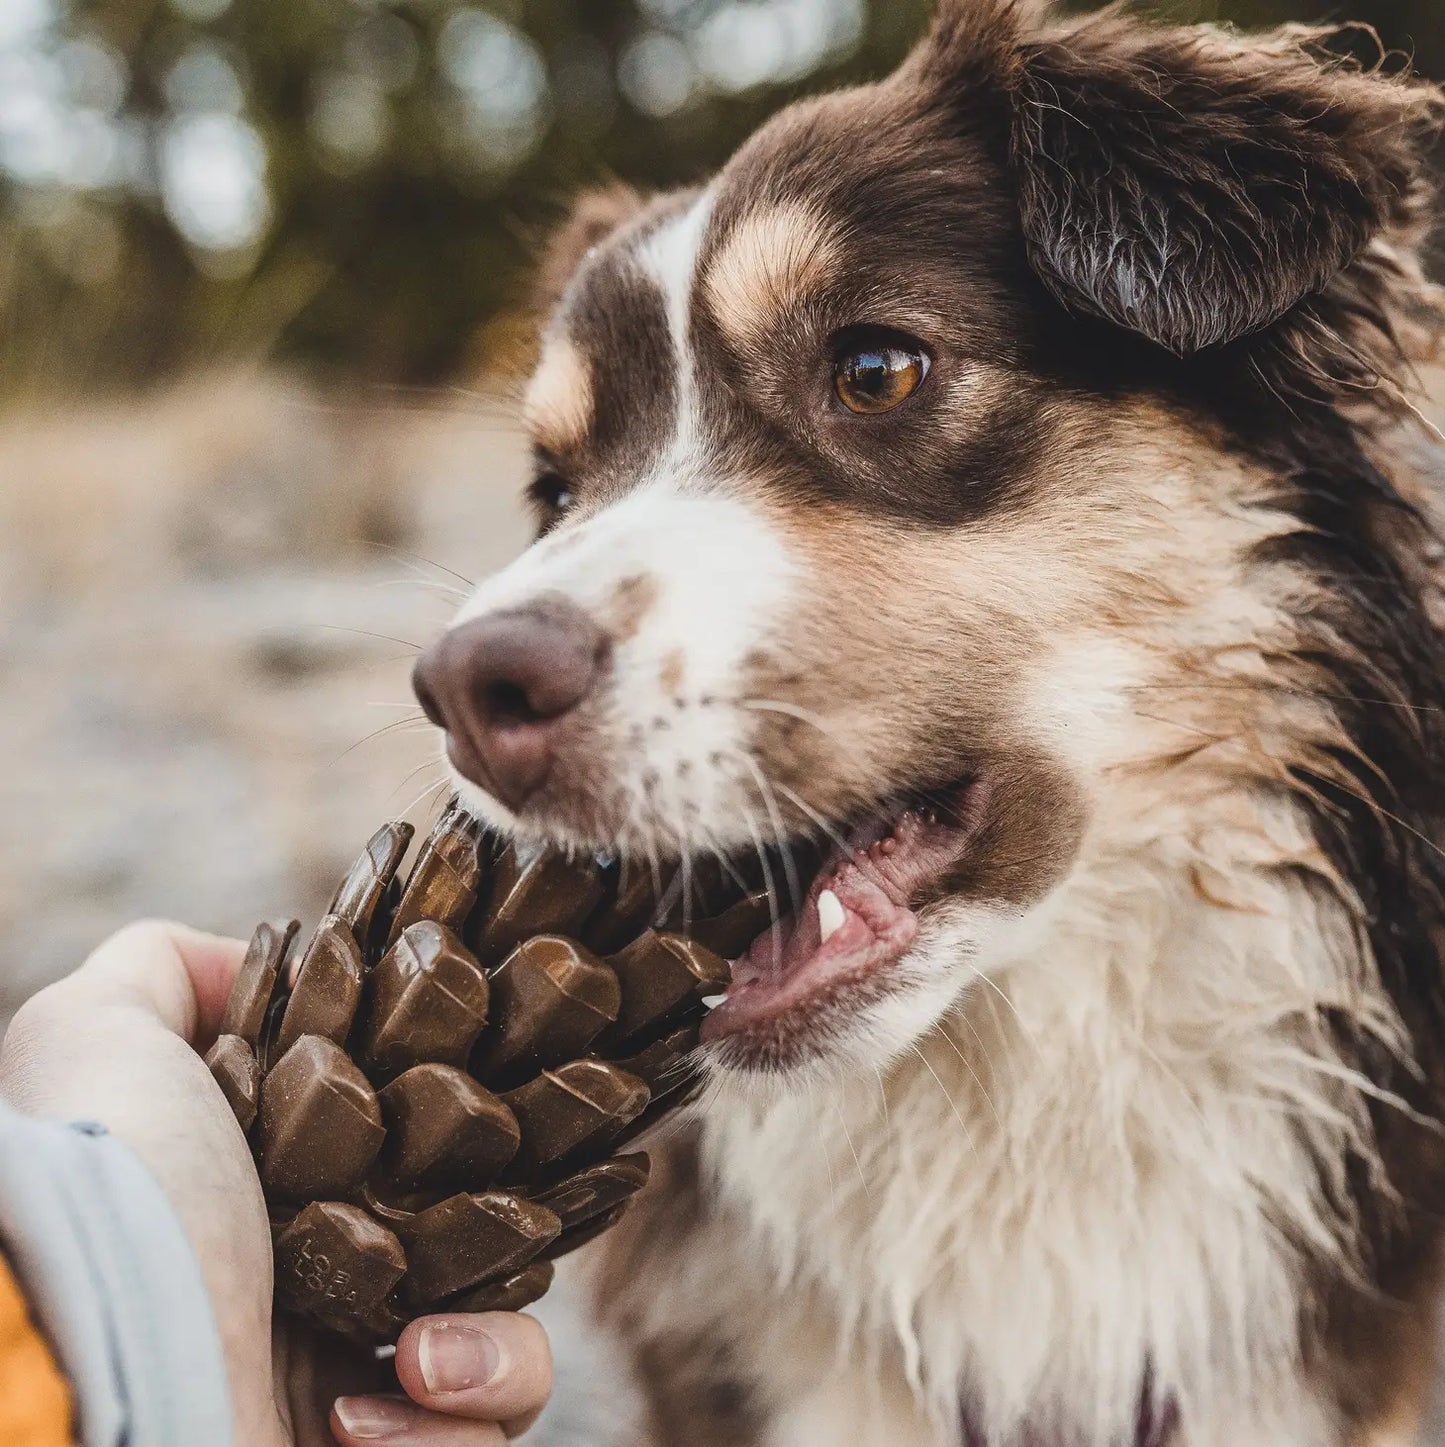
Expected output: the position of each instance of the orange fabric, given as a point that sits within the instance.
(34, 1398)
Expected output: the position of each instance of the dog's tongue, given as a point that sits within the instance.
(867, 924)
(857, 916)
(855, 910)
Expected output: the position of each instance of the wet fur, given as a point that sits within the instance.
(1153, 1109)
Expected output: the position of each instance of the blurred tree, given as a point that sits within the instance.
(358, 185)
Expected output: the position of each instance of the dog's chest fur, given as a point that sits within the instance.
(1066, 1190)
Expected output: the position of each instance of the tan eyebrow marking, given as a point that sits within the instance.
(558, 404)
(771, 260)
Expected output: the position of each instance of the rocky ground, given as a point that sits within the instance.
(208, 605)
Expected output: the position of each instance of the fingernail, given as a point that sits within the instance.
(454, 1358)
(372, 1417)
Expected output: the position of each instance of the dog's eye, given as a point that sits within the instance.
(551, 492)
(873, 371)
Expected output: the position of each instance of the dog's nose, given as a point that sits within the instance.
(500, 686)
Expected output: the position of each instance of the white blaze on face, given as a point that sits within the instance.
(689, 576)
(712, 570)
(699, 582)
(669, 258)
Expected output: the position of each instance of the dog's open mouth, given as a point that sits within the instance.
(859, 913)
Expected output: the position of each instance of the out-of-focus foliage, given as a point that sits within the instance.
(358, 185)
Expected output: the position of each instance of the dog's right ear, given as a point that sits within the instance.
(594, 217)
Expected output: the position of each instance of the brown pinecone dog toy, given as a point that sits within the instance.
(439, 1092)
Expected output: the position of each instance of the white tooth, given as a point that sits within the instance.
(830, 915)
(713, 1001)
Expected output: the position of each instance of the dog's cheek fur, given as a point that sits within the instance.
(1026, 642)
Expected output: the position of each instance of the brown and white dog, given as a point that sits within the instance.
(1006, 475)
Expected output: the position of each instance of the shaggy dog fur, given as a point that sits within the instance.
(1137, 1141)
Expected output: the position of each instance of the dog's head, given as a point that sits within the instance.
(885, 481)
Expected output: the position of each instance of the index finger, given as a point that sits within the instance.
(181, 975)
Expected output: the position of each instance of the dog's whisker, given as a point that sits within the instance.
(952, 1104)
(426, 793)
(725, 864)
(803, 715)
(985, 978)
(972, 1029)
(823, 826)
(629, 825)
(409, 776)
(405, 556)
(1376, 807)
(455, 597)
(446, 796)
(708, 843)
(1263, 687)
(1173, 1077)
(883, 1099)
(655, 865)
(785, 853)
(400, 725)
(1209, 735)
(367, 633)
(852, 1149)
(953, 1045)
(686, 880)
(669, 1127)
(678, 1069)
(861, 861)
(672, 894)
(1332, 781)
(382, 662)
(432, 803)
(777, 929)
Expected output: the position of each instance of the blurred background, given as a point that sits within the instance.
(263, 277)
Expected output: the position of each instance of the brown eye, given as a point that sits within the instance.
(875, 374)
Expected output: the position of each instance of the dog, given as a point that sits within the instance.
(1005, 480)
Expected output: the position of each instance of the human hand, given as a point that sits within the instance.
(118, 1042)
